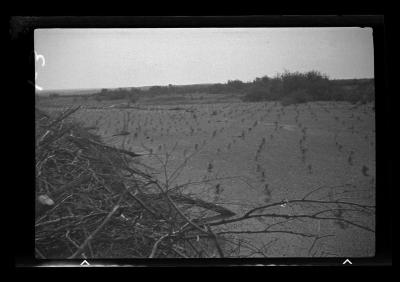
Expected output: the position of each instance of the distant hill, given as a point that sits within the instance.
(68, 92)
(199, 85)
(89, 91)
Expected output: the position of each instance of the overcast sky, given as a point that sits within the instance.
(107, 58)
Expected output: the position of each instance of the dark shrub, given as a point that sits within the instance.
(118, 94)
(235, 85)
(366, 92)
(296, 97)
(54, 95)
(255, 95)
(132, 99)
(263, 92)
(316, 84)
(338, 93)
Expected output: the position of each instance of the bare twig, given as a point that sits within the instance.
(267, 232)
(315, 241)
(154, 249)
(39, 253)
(221, 253)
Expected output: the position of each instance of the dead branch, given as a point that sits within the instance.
(63, 116)
(154, 249)
(93, 234)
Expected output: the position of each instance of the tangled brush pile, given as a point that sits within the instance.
(93, 201)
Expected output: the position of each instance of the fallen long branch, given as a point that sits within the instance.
(81, 142)
(287, 216)
(63, 116)
(307, 201)
(182, 199)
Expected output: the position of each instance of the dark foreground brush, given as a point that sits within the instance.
(92, 201)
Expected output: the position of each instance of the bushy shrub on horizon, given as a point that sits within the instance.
(291, 87)
(313, 82)
(297, 87)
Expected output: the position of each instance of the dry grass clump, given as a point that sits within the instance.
(94, 201)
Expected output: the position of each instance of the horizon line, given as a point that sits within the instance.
(162, 85)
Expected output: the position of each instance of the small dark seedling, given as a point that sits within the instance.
(218, 189)
(209, 167)
(350, 158)
(263, 176)
(365, 171)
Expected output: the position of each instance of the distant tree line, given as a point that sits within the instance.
(131, 95)
(54, 95)
(288, 88)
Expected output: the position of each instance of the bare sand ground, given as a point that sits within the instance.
(224, 139)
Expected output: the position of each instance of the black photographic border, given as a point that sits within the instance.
(21, 43)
